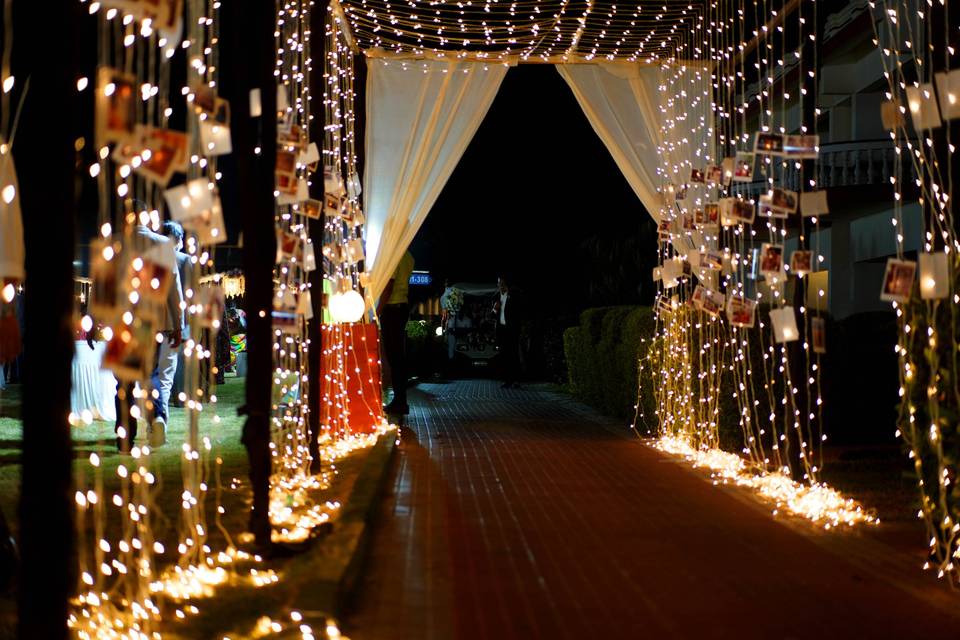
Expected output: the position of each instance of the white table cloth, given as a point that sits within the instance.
(93, 388)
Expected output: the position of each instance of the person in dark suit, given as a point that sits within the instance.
(507, 312)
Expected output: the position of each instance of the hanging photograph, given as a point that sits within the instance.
(288, 246)
(948, 90)
(743, 169)
(801, 262)
(934, 275)
(727, 167)
(771, 259)
(210, 307)
(696, 175)
(814, 203)
(898, 280)
(116, 108)
(105, 288)
(710, 216)
(711, 259)
(784, 324)
(765, 208)
(742, 211)
(892, 115)
(311, 208)
(714, 174)
(923, 107)
(741, 312)
(163, 153)
(801, 147)
(130, 352)
(768, 144)
(818, 329)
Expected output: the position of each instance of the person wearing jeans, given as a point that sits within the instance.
(169, 356)
(394, 311)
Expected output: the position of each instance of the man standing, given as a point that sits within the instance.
(393, 311)
(169, 356)
(508, 333)
(171, 325)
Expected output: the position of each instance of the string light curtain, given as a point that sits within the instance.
(619, 100)
(421, 115)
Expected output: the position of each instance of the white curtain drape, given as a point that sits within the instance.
(421, 115)
(633, 107)
(620, 101)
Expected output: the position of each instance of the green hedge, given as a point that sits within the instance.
(602, 356)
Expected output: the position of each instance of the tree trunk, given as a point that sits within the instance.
(248, 55)
(44, 156)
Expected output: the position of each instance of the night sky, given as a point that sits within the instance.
(538, 196)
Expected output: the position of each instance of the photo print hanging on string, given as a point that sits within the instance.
(116, 108)
(818, 329)
(771, 260)
(814, 203)
(898, 280)
(784, 324)
(801, 262)
(105, 289)
(130, 352)
(923, 107)
(892, 115)
(741, 312)
(948, 90)
(801, 147)
(163, 153)
(743, 167)
(768, 144)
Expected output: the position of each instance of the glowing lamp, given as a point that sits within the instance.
(347, 306)
(934, 277)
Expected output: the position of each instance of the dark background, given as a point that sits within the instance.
(538, 197)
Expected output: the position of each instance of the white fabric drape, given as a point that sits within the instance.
(421, 115)
(620, 101)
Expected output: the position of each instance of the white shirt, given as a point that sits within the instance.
(503, 307)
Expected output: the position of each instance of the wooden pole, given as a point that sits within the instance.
(248, 57)
(44, 155)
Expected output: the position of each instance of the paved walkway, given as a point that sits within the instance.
(521, 514)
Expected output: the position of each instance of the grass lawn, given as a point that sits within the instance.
(236, 606)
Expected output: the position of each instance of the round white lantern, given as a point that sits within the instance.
(347, 306)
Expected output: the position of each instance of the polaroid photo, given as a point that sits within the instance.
(294, 139)
(741, 312)
(305, 304)
(801, 262)
(208, 226)
(898, 280)
(686, 222)
(766, 210)
(332, 204)
(355, 252)
(105, 290)
(742, 211)
(671, 272)
(286, 162)
(163, 153)
(211, 304)
(697, 175)
(725, 210)
(150, 277)
(714, 174)
(784, 324)
(332, 182)
(311, 208)
(309, 257)
(663, 305)
(711, 216)
(818, 330)
(814, 203)
(354, 186)
(116, 108)
(743, 167)
(801, 147)
(285, 322)
(727, 168)
(301, 193)
(130, 352)
(948, 90)
(657, 274)
(923, 107)
(892, 115)
(784, 199)
(287, 186)
(771, 259)
(681, 192)
(712, 302)
(215, 138)
(934, 275)
(712, 259)
(285, 299)
(189, 200)
(209, 105)
(768, 144)
(311, 157)
(288, 246)
(696, 300)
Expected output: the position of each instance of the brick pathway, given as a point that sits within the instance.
(521, 514)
